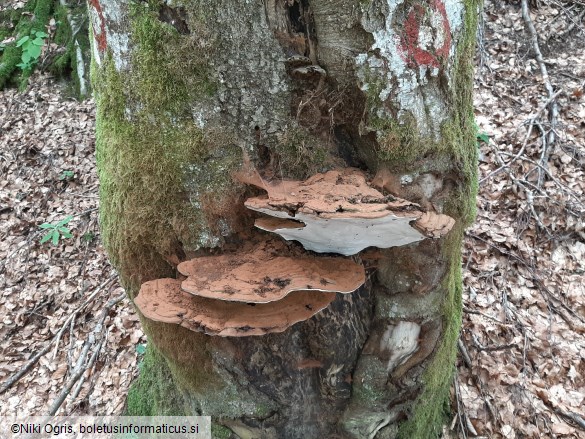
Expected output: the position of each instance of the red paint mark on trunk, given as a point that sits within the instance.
(100, 37)
(410, 48)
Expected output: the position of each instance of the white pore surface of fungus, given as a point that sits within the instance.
(339, 212)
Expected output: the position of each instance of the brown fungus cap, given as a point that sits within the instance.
(339, 212)
(267, 273)
(163, 300)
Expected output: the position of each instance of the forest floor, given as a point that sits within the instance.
(521, 368)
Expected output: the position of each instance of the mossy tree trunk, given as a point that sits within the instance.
(185, 90)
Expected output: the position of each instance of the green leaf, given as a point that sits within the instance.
(55, 239)
(64, 221)
(65, 175)
(25, 57)
(66, 234)
(40, 33)
(34, 51)
(38, 41)
(46, 226)
(483, 137)
(88, 236)
(47, 237)
(22, 41)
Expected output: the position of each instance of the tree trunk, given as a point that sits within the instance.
(188, 92)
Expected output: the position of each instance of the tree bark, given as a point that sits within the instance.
(186, 92)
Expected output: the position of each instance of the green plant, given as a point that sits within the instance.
(66, 175)
(56, 231)
(88, 237)
(140, 349)
(480, 135)
(32, 46)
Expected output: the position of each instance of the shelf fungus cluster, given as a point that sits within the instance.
(253, 291)
(268, 287)
(339, 212)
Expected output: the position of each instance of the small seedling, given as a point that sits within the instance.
(140, 349)
(56, 231)
(32, 46)
(481, 136)
(66, 175)
(88, 237)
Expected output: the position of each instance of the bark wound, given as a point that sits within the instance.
(296, 33)
(176, 17)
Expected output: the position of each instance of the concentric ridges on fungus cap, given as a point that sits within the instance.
(163, 300)
(265, 274)
(339, 212)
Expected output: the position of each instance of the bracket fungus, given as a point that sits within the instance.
(339, 212)
(260, 276)
(163, 300)
(255, 290)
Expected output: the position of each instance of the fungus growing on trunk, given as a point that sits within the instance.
(339, 212)
(163, 300)
(255, 290)
(268, 273)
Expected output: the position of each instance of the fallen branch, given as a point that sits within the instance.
(77, 372)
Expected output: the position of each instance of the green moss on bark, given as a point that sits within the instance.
(154, 392)
(431, 408)
(148, 146)
(300, 154)
(65, 63)
(164, 180)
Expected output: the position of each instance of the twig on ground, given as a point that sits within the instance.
(567, 414)
(549, 296)
(464, 353)
(530, 122)
(35, 358)
(95, 338)
(553, 112)
(461, 410)
(481, 347)
(574, 23)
